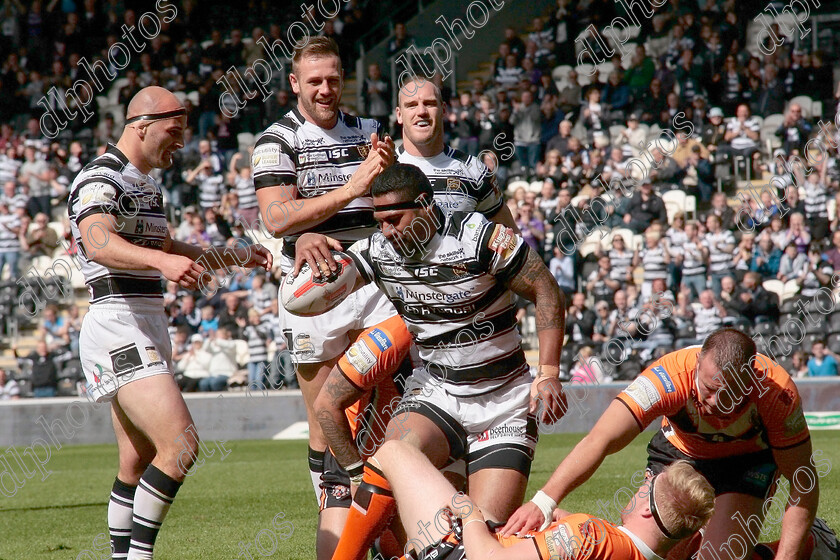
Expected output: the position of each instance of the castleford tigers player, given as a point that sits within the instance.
(452, 281)
(446, 525)
(733, 414)
(461, 183)
(312, 172)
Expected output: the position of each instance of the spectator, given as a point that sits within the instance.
(616, 96)
(44, 369)
(833, 254)
(9, 389)
(582, 371)
(766, 257)
(754, 303)
(41, 240)
(645, 206)
(562, 267)
(376, 96)
(641, 71)
(771, 100)
(816, 273)
(816, 199)
(232, 314)
(742, 134)
(531, 228)
(400, 41)
(600, 283)
(655, 330)
(209, 321)
(526, 120)
(794, 130)
(194, 365)
(594, 115)
(10, 230)
(665, 172)
(797, 233)
(509, 75)
(823, 363)
(621, 261)
(793, 264)
(257, 334)
(603, 326)
(654, 257)
(210, 185)
(560, 142)
(633, 138)
(743, 254)
(570, 96)
(223, 364)
(721, 209)
(721, 244)
(799, 364)
(35, 173)
(707, 319)
(695, 255)
(580, 323)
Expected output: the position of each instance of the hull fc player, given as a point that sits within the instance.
(312, 172)
(735, 415)
(117, 219)
(474, 398)
(461, 183)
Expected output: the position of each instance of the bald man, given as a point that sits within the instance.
(117, 218)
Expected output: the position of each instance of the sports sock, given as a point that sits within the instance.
(154, 495)
(316, 468)
(120, 508)
(371, 512)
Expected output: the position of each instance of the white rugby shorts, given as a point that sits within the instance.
(492, 430)
(317, 339)
(120, 343)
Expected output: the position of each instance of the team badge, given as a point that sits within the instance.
(364, 150)
(459, 269)
(453, 183)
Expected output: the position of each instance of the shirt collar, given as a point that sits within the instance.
(641, 545)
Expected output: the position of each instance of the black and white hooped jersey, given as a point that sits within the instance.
(111, 185)
(461, 182)
(454, 301)
(294, 151)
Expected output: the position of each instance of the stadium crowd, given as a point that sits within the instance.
(662, 278)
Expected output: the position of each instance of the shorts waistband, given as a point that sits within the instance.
(137, 305)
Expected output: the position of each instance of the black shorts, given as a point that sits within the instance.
(336, 484)
(753, 474)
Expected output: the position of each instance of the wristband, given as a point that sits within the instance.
(548, 371)
(546, 505)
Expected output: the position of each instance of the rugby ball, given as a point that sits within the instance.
(308, 295)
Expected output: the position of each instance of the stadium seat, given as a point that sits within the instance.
(808, 342)
(180, 95)
(775, 120)
(560, 73)
(690, 206)
(626, 233)
(776, 287)
(585, 70)
(788, 306)
(765, 328)
(638, 242)
(816, 110)
(193, 97)
(834, 322)
(590, 244)
(674, 202)
(535, 187)
(831, 207)
(577, 200)
(833, 343)
(791, 289)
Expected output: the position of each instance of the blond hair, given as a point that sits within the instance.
(684, 498)
(315, 47)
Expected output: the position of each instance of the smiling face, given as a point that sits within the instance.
(420, 112)
(317, 82)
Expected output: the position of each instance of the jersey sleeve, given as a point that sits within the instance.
(97, 195)
(501, 252)
(360, 253)
(273, 162)
(662, 389)
(490, 197)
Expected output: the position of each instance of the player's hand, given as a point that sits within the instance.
(549, 390)
(384, 147)
(380, 156)
(526, 518)
(314, 249)
(256, 256)
(182, 270)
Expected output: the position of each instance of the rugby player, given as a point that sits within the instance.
(117, 219)
(312, 172)
(451, 281)
(461, 183)
(733, 414)
(449, 525)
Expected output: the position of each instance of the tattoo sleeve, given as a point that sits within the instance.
(535, 283)
(336, 395)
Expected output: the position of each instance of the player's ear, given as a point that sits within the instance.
(398, 113)
(294, 83)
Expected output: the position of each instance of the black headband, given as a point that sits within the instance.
(655, 513)
(158, 116)
(407, 205)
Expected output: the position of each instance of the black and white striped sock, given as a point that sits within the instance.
(120, 512)
(155, 494)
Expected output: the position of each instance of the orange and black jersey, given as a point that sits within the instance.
(769, 416)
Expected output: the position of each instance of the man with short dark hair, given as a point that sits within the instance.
(732, 413)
